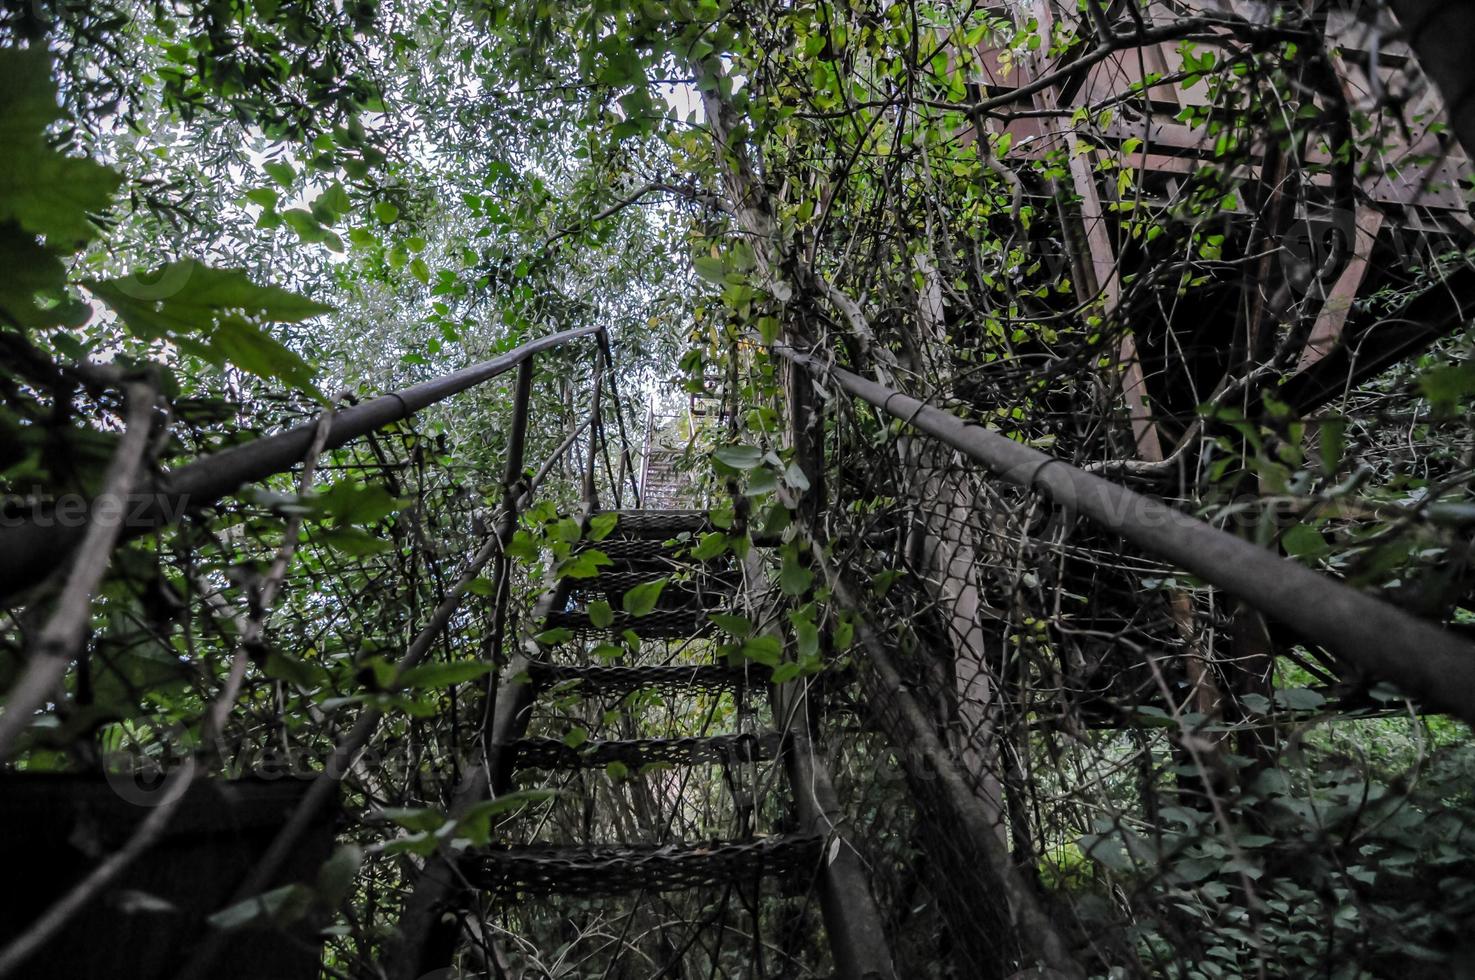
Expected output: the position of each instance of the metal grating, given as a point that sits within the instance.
(658, 624)
(552, 753)
(615, 869)
(660, 524)
(606, 679)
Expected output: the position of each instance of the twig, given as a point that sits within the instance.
(57, 643)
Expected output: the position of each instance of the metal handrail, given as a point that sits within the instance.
(31, 551)
(1387, 643)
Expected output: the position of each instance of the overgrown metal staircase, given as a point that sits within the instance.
(581, 663)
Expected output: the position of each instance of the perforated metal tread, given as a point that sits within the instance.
(609, 679)
(659, 524)
(658, 624)
(619, 580)
(615, 869)
(552, 753)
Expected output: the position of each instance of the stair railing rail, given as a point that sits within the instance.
(1383, 641)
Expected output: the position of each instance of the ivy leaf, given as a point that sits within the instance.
(640, 600)
(794, 578)
(602, 525)
(785, 672)
(735, 626)
(586, 564)
(600, 613)
(710, 546)
(764, 650)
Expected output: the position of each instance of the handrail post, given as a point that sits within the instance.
(591, 498)
(517, 440)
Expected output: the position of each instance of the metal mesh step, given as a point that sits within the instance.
(637, 551)
(616, 869)
(618, 581)
(607, 679)
(658, 525)
(658, 624)
(552, 753)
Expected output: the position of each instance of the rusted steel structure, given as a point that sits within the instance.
(1139, 127)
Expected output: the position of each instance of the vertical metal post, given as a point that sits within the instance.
(591, 498)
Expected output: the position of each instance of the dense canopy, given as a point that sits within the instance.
(737, 488)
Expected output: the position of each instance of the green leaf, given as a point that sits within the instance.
(786, 672)
(739, 457)
(794, 578)
(247, 347)
(734, 626)
(443, 675)
(279, 907)
(586, 564)
(616, 770)
(600, 613)
(44, 191)
(602, 525)
(1299, 699)
(1304, 542)
(710, 546)
(576, 736)
(475, 823)
(288, 668)
(348, 502)
(764, 650)
(420, 270)
(355, 542)
(806, 636)
(387, 213)
(1445, 385)
(182, 300)
(30, 270)
(1333, 439)
(336, 876)
(281, 172)
(523, 547)
(710, 269)
(641, 599)
(554, 637)
(264, 196)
